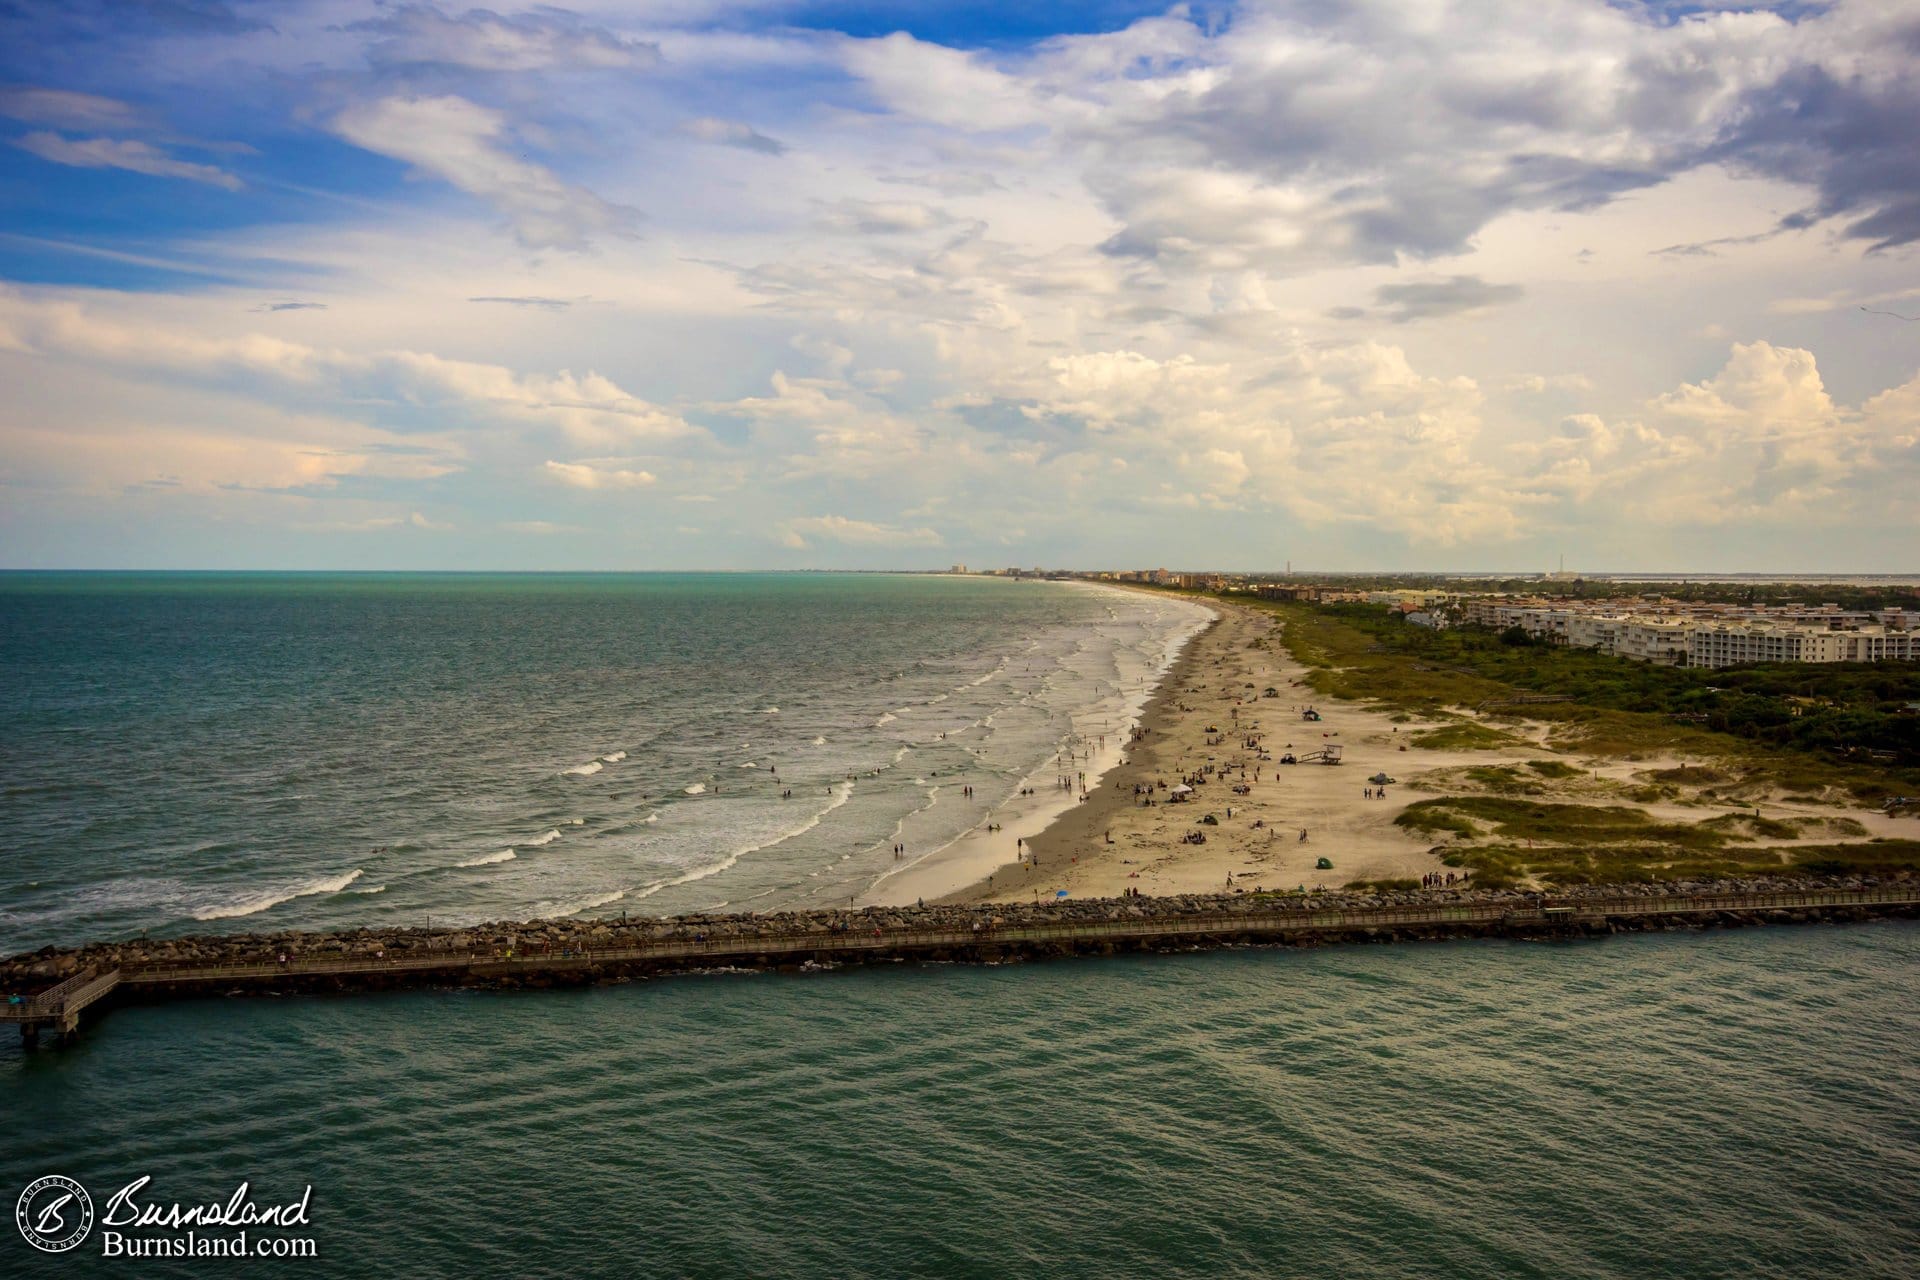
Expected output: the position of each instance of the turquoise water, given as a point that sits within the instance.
(198, 752)
(1718, 1104)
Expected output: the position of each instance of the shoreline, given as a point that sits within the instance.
(1224, 720)
(977, 855)
(1210, 703)
(1051, 842)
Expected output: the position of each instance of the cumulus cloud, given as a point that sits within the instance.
(123, 153)
(587, 475)
(1536, 383)
(1294, 137)
(468, 145)
(588, 408)
(1761, 443)
(732, 133)
(1107, 284)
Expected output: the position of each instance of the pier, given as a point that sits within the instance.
(973, 934)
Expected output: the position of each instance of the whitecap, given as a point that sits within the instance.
(570, 907)
(819, 742)
(586, 770)
(697, 789)
(842, 792)
(615, 758)
(488, 859)
(770, 711)
(653, 817)
(577, 822)
(886, 717)
(749, 765)
(548, 838)
(259, 902)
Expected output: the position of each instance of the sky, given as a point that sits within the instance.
(1355, 284)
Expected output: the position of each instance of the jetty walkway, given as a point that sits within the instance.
(59, 1008)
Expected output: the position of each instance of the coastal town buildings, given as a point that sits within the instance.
(1677, 633)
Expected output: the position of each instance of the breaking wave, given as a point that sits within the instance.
(259, 902)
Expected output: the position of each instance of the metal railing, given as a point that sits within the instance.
(69, 996)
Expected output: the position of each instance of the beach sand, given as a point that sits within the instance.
(1211, 703)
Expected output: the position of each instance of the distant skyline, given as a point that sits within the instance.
(1363, 284)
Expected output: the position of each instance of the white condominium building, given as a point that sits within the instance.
(1661, 641)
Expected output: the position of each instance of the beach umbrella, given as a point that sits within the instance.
(1059, 893)
(1181, 790)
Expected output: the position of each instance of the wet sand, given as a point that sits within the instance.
(1209, 707)
(1211, 722)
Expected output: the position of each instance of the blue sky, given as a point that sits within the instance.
(1354, 283)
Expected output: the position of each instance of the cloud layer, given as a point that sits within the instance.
(1362, 282)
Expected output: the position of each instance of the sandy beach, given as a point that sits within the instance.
(1211, 724)
(1197, 728)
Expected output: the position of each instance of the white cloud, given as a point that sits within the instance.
(584, 475)
(871, 218)
(67, 109)
(485, 41)
(861, 533)
(732, 133)
(540, 528)
(123, 153)
(588, 408)
(471, 147)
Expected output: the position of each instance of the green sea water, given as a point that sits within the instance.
(229, 752)
(1684, 1105)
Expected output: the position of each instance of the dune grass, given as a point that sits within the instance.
(1347, 661)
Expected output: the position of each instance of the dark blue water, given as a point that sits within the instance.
(1719, 1104)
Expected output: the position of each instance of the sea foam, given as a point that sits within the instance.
(572, 907)
(259, 902)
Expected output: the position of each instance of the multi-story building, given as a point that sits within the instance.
(1595, 631)
(1661, 641)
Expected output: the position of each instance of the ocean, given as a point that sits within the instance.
(1740, 1103)
(233, 752)
(223, 752)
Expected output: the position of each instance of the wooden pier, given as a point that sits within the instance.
(60, 1007)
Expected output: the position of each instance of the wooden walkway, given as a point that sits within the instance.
(60, 1007)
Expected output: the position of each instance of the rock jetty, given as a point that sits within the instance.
(737, 935)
